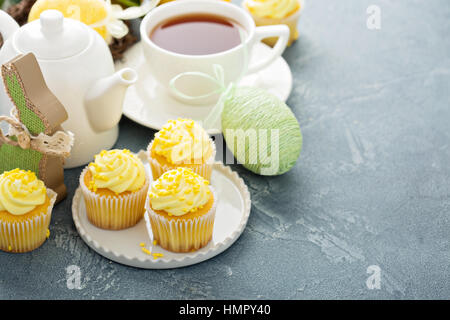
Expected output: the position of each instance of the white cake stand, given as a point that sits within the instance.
(124, 247)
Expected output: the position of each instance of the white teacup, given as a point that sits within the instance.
(165, 65)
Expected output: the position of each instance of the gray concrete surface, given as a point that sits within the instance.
(372, 186)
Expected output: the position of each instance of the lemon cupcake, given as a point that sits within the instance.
(181, 208)
(182, 143)
(271, 12)
(114, 187)
(25, 211)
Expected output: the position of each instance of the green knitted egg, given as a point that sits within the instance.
(261, 131)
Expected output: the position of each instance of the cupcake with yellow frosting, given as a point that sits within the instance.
(181, 208)
(182, 143)
(270, 12)
(114, 187)
(25, 211)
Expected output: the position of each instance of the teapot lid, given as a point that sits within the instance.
(52, 37)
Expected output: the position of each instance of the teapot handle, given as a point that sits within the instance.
(7, 25)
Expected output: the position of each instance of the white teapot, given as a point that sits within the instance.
(78, 68)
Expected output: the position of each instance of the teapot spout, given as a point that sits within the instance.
(104, 100)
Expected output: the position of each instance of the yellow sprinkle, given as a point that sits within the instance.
(146, 251)
(157, 255)
(9, 248)
(190, 202)
(99, 177)
(47, 234)
(142, 244)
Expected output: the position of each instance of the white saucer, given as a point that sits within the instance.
(123, 246)
(150, 105)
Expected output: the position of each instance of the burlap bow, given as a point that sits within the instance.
(59, 144)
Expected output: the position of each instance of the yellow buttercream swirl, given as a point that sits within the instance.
(275, 9)
(183, 141)
(179, 191)
(117, 170)
(21, 191)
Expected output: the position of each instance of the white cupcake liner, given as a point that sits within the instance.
(183, 235)
(27, 235)
(114, 212)
(204, 170)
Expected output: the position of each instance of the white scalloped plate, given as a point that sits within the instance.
(149, 105)
(123, 246)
